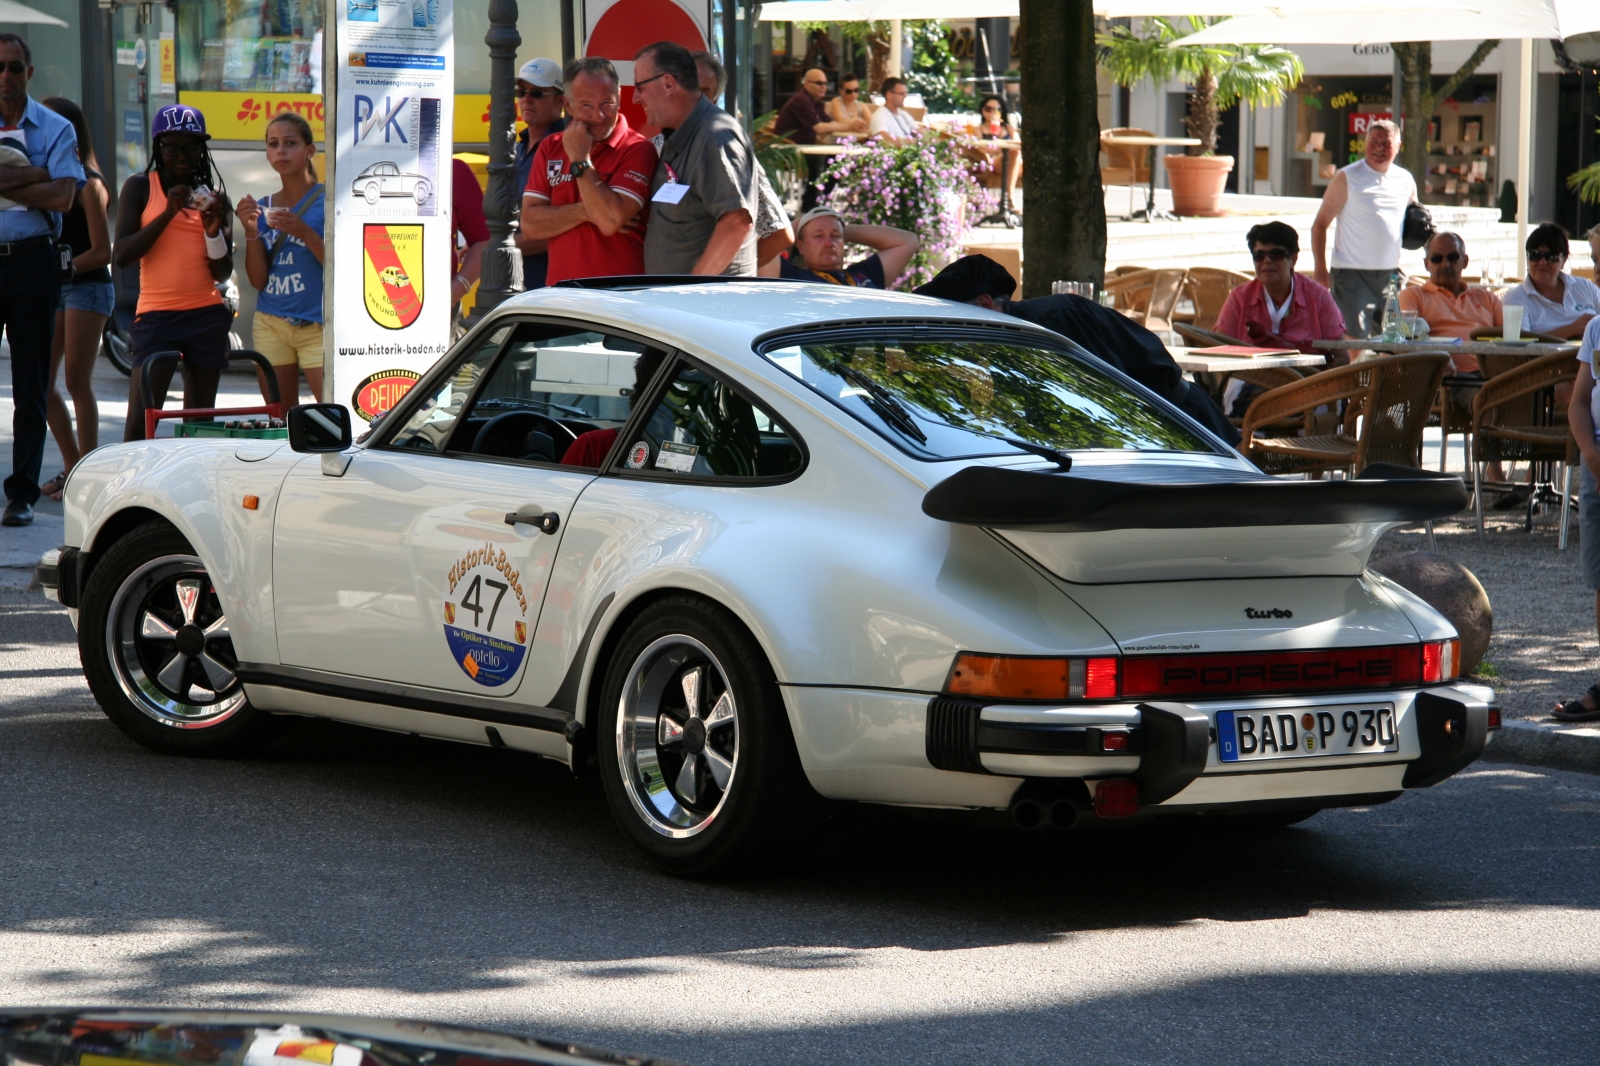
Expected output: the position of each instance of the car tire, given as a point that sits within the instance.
(148, 604)
(371, 193)
(421, 191)
(696, 757)
(115, 349)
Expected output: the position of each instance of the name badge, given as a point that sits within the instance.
(670, 193)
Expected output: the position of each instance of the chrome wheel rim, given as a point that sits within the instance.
(677, 736)
(170, 646)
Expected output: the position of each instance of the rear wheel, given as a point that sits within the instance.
(696, 757)
(158, 653)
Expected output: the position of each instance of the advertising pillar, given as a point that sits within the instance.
(392, 254)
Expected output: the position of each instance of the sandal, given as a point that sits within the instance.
(55, 486)
(1575, 711)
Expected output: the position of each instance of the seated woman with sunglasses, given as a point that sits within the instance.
(1554, 302)
(852, 113)
(1280, 309)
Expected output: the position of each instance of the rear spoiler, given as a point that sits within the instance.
(1006, 498)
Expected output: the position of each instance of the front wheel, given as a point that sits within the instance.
(158, 652)
(371, 193)
(696, 757)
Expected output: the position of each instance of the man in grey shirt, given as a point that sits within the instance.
(705, 194)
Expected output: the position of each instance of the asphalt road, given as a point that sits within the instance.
(351, 870)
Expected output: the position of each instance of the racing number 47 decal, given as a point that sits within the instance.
(486, 616)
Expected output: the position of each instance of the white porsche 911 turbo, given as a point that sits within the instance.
(738, 540)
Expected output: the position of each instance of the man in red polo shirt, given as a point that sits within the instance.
(587, 185)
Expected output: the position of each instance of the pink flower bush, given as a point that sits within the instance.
(925, 186)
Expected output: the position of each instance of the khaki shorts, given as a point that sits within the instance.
(286, 344)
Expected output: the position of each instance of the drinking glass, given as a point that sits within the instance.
(1494, 275)
(1073, 288)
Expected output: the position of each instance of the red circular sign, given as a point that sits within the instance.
(381, 391)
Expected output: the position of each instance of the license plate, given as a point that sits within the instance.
(1247, 736)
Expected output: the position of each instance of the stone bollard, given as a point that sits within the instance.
(1453, 591)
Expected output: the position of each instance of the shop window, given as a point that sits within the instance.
(249, 46)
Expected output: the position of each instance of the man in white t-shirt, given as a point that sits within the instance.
(1369, 198)
(1583, 416)
(892, 122)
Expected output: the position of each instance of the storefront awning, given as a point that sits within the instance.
(13, 12)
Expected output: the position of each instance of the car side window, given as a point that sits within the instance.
(559, 394)
(429, 426)
(704, 426)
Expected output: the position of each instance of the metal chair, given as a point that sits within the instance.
(1130, 164)
(1515, 419)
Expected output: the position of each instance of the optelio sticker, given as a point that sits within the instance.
(486, 616)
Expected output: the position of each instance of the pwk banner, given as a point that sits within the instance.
(393, 250)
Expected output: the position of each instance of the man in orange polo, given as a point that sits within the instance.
(1450, 306)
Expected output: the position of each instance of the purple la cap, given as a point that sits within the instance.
(179, 118)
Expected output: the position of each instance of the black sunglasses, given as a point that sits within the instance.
(16, 66)
(1451, 257)
(1277, 255)
(537, 94)
(193, 151)
(850, 92)
(1546, 257)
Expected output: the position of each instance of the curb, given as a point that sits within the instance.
(1556, 745)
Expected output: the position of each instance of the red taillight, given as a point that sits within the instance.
(1032, 677)
(1116, 798)
(1100, 679)
(1494, 718)
(1441, 661)
(1114, 740)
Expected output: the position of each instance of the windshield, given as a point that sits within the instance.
(960, 398)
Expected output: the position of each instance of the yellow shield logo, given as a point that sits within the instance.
(392, 282)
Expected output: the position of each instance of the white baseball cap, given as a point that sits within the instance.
(541, 73)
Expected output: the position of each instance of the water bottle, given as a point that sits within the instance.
(1393, 323)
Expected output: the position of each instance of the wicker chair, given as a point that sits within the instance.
(1516, 420)
(1208, 289)
(1150, 296)
(1201, 337)
(1388, 399)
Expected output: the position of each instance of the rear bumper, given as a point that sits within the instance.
(1170, 749)
(58, 573)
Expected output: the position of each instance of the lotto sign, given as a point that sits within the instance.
(486, 616)
(392, 284)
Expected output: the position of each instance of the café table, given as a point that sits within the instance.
(1006, 214)
(1150, 212)
(1196, 361)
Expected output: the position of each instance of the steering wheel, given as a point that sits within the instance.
(504, 435)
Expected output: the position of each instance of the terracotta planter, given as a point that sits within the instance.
(1197, 182)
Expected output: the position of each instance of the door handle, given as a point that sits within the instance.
(548, 522)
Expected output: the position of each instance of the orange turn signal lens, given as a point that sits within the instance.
(1028, 677)
(250, 503)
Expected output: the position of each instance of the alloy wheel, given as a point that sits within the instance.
(677, 736)
(169, 643)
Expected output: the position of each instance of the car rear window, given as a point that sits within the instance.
(962, 398)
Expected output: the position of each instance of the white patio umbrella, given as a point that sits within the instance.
(1528, 20)
(13, 12)
(875, 10)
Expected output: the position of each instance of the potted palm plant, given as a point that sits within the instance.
(1222, 75)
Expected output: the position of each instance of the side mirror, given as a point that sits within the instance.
(319, 427)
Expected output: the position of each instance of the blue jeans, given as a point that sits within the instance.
(30, 285)
(97, 296)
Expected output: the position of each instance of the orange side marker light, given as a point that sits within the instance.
(252, 502)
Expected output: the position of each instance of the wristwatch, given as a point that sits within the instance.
(577, 169)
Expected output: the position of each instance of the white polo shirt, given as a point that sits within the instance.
(1579, 297)
(1586, 350)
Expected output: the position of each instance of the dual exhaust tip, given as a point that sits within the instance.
(1042, 803)
(1032, 814)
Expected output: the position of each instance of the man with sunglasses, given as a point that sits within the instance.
(1279, 309)
(804, 120)
(1450, 306)
(539, 97)
(37, 190)
(1554, 302)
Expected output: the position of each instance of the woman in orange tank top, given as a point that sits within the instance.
(174, 220)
